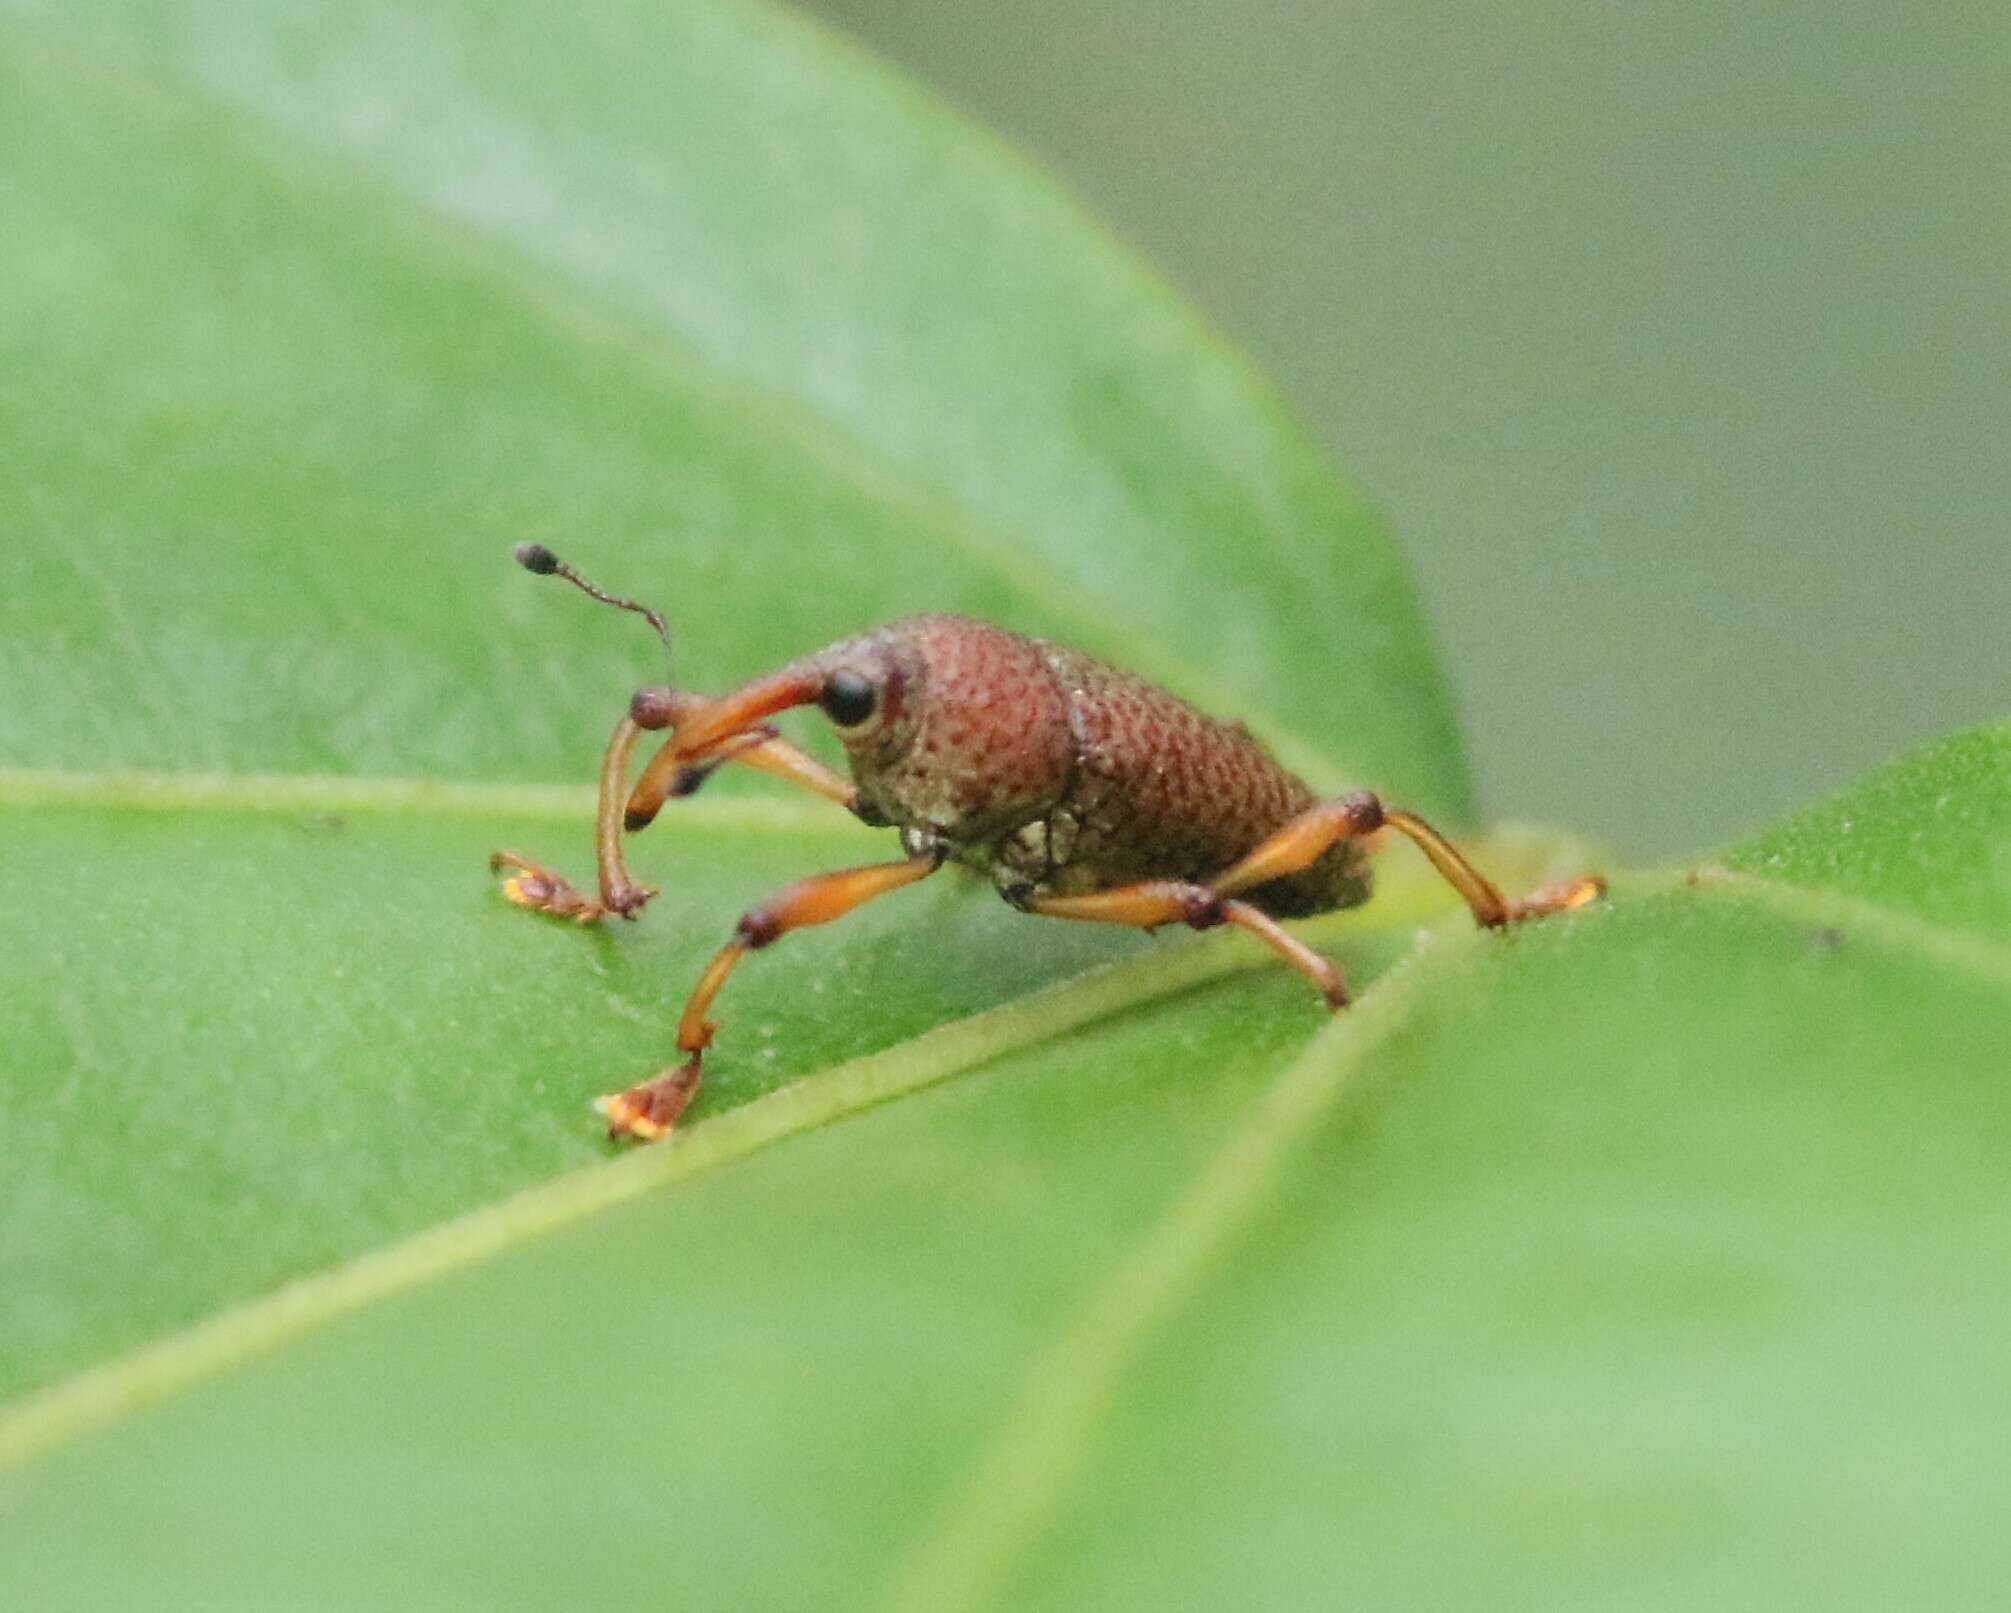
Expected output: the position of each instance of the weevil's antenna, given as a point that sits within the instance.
(535, 557)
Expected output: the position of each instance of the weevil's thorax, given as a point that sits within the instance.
(973, 740)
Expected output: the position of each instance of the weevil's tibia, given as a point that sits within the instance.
(649, 1110)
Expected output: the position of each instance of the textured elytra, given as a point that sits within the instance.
(1061, 774)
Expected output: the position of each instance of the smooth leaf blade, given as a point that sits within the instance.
(357, 1038)
(816, 1430)
(1650, 1280)
(1656, 1222)
(653, 229)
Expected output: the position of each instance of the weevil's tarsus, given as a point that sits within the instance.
(537, 887)
(537, 559)
(648, 1111)
(644, 1111)
(1566, 896)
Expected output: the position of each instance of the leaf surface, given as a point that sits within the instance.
(1610, 1260)
(1625, 1257)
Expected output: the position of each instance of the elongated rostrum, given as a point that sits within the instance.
(1081, 790)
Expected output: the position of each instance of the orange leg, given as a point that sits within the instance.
(537, 887)
(1302, 841)
(649, 1110)
(1298, 845)
(1152, 903)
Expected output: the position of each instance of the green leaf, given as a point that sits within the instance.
(1629, 1258)
(305, 320)
(297, 346)
(1600, 1263)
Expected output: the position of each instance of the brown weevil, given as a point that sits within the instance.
(1081, 790)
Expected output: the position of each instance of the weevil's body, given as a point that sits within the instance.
(1083, 792)
(1058, 774)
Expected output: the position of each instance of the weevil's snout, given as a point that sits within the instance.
(706, 723)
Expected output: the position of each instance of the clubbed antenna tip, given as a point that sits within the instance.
(535, 557)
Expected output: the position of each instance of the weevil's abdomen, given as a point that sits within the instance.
(1161, 790)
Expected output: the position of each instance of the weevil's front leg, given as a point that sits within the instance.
(1302, 842)
(1154, 902)
(649, 1110)
(668, 778)
(535, 886)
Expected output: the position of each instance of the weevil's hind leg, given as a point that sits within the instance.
(650, 1109)
(1152, 903)
(1298, 845)
(1307, 837)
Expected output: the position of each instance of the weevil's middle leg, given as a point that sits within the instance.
(650, 1109)
(1154, 902)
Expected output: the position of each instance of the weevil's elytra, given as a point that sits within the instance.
(1081, 790)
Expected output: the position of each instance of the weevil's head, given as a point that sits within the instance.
(949, 724)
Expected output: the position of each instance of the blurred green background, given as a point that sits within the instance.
(1671, 340)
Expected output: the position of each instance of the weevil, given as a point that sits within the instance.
(1082, 791)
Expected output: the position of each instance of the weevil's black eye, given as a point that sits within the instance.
(848, 698)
